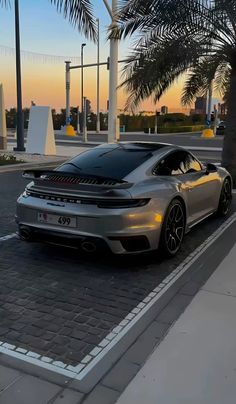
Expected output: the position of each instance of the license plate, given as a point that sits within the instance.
(65, 221)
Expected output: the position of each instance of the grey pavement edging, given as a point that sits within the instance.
(92, 368)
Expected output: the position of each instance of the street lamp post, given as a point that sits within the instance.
(98, 78)
(67, 93)
(210, 93)
(113, 79)
(20, 119)
(82, 85)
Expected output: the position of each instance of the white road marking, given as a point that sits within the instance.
(8, 237)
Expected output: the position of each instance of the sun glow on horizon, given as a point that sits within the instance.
(49, 33)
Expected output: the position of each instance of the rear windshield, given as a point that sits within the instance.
(107, 162)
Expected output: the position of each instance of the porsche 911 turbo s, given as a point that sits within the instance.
(129, 197)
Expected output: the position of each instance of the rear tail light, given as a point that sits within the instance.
(122, 204)
(100, 203)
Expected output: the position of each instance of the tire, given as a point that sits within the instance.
(225, 198)
(173, 229)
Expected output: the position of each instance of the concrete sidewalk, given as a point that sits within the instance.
(196, 362)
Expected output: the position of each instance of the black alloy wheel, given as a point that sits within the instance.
(173, 229)
(225, 198)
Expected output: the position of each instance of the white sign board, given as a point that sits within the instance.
(3, 128)
(40, 138)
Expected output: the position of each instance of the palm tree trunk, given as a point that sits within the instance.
(229, 147)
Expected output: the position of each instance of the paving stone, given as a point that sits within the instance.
(3, 331)
(28, 390)
(68, 396)
(7, 377)
(78, 334)
(102, 395)
(120, 375)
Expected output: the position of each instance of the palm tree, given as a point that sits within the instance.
(175, 37)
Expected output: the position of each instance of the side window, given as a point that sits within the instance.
(174, 164)
(192, 165)
(179, 162)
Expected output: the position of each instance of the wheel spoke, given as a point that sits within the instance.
(173, 244)
(175, 228)
(226, 197)
(179, 216)
(179, 232)
(172, 214)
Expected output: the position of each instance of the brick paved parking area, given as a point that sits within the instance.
(60, 304)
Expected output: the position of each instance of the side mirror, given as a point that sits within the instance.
(210, 168)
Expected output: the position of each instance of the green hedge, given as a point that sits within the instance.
(179, 129)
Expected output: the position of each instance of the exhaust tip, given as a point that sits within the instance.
(88, 247)
(25, 233)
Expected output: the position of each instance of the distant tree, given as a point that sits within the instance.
(197, 118)
(11, 118)
(174, 117)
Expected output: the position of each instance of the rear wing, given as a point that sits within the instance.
(65, 178)
(33, 174)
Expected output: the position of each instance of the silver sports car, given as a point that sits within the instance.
(129, 197)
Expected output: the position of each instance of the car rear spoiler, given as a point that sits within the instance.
(33, 174)
(44, 175)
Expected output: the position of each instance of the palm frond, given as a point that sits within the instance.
(199, 79)
(222, 79)
(197, 15)
(5, 3)
(80, 14)
(151, 70)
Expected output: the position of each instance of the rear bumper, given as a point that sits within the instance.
(121, 231)
(130, 244)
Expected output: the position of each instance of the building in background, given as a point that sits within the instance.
(222, 109)
(164, 110)
(200, 105)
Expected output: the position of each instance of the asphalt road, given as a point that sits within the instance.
(182, 140)
(61, 303)
(194, 140)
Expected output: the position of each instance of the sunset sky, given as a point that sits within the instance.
(45, 31)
